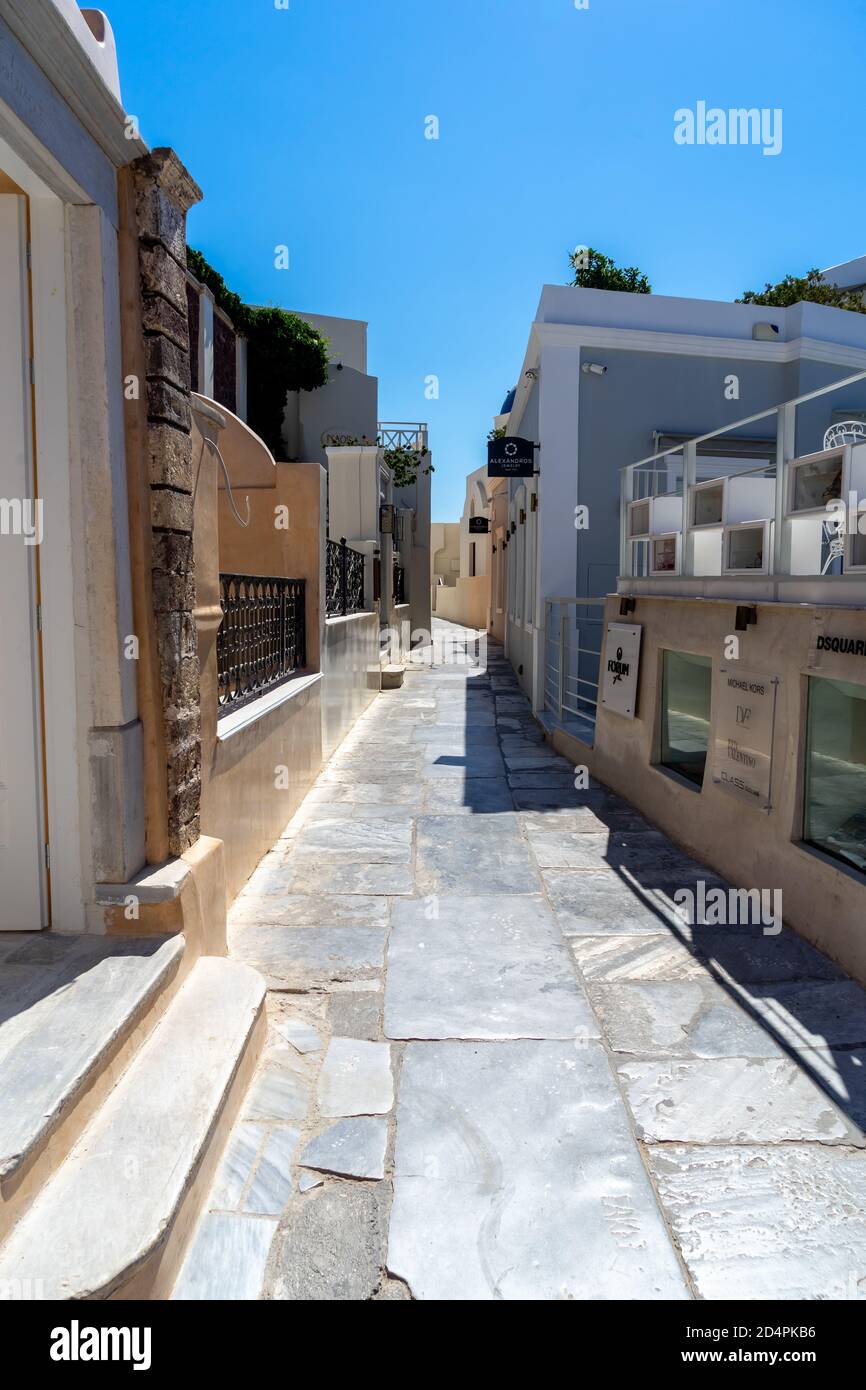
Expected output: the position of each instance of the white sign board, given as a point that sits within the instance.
(621, 667)
(745, 717)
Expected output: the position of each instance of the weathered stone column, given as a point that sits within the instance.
(164, 193)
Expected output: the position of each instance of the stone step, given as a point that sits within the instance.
(72, 1011)
(392, 677)
(114, 1219)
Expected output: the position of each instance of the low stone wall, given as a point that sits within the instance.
(257, 775)
(350, 669)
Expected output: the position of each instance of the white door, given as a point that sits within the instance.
(22, 895)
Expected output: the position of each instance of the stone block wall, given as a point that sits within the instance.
(164, 193)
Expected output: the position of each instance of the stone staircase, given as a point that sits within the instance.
(124, 1063)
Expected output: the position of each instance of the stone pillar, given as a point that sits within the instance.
(164, 193)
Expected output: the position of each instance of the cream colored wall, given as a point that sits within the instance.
(269, 549)
(467, 603)
(445, 551)
(254, 779)
(822, 900)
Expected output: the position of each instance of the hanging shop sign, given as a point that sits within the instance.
(511, 458)
(479, 526)
(745, 719)
(621, 668)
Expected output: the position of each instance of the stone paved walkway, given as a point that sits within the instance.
(501, 1066)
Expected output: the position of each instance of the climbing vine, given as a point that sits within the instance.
(284, 353)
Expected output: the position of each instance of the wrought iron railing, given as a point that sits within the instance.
(344, 575)
(262, 638)
(399, 594)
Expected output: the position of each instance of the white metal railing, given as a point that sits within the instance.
(572, 659)
(400, 434)
(670, 479)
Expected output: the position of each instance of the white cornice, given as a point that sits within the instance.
(695, 345)
(576, 336)
(48, 38)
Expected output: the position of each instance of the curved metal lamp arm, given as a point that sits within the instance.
(214, 448)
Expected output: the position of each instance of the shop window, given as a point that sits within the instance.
(686, 687)
(835, 812)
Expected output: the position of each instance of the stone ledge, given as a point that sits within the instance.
(241, 719)
(160, 884)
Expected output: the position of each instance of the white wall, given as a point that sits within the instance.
(350, 674)
(347, 338)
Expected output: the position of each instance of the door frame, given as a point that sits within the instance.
(33, 867)
(62, 732)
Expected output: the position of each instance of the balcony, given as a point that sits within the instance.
(398, 434)
(770, 511)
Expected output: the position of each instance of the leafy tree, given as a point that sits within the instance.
(595, 271)
(405, 465)
(795, 289)
(284, 353)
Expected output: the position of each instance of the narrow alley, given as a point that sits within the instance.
(500, 1064)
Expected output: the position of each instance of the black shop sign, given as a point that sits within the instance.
(511, 458)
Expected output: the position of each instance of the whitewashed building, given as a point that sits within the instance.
(608, 378)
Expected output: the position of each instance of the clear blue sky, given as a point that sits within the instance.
(306, 127)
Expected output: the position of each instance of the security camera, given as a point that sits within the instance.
(594, 367)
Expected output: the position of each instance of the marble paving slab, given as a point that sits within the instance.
(314, 874)
(543, 760)
(769, 1223)
(552, 792)
(356, 1015)
(604, 903)
(810, 1015)
(352, 1148)
(473, 854)
(356, 841)
(614, 958)
(272, 904)
(356, 1079)
(516, 1177)
(448, 765)
(299, 1033)
(271, 1183)
(280, 1091)
(301, 958)
(598, 819)
(685, 1018)
(226, 1260)
(481, 967)
(567, 849)
(732, 1101)
(468, 796)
